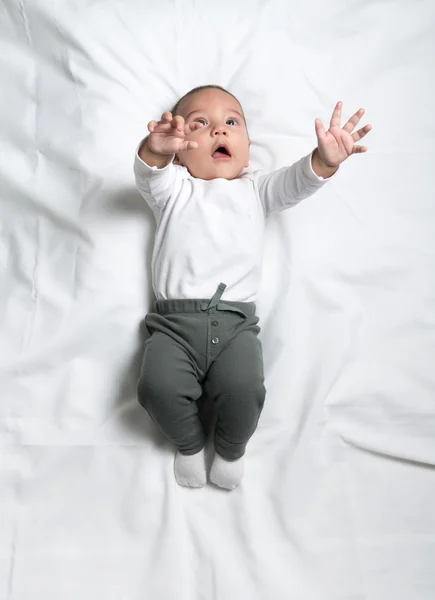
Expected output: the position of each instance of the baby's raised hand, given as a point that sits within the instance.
(338, 143)
(167, 136)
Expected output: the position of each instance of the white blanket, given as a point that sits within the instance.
(338, 498)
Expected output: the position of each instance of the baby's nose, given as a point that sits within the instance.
(220, 130)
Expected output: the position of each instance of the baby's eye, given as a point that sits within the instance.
(202, 121)
(231, 122)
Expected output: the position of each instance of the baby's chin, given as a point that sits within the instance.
(218, 174)
(216, 171)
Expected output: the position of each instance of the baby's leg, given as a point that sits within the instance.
(236, 383)
(168, 390)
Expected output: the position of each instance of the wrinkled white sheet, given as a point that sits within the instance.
(338, 498)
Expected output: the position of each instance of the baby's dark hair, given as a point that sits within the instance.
(200, 88)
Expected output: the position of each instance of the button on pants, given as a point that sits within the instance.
(198, 350)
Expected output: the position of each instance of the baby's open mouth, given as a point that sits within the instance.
(221, 153)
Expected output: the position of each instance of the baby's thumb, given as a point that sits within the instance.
(320, 130)
(188, 145)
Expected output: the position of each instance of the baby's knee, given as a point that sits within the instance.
(248, 392)
(155, 393)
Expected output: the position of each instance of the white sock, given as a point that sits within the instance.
(227, 473)
(190, 469)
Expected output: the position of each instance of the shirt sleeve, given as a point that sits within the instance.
(155, 185)
(287, 186)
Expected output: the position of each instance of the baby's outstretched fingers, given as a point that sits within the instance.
(178, 123)
(160, 127)
(353, 121)
(193, 126)
(320, 128)
(151, 126)
(361, 132)
(336, 115)
(167, 117)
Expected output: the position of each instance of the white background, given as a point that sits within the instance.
(337, 501)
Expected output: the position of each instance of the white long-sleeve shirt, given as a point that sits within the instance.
(212, 231)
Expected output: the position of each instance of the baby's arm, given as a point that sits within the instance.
(286, 187)
(155, 176)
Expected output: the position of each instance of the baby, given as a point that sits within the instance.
(210, 210)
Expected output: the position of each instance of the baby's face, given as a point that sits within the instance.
(223, 126)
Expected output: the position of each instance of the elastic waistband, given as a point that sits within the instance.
(164, 307)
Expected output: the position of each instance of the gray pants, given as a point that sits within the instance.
(197, 349)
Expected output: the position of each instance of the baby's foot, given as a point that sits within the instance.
(190, 469)
(227, 473)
